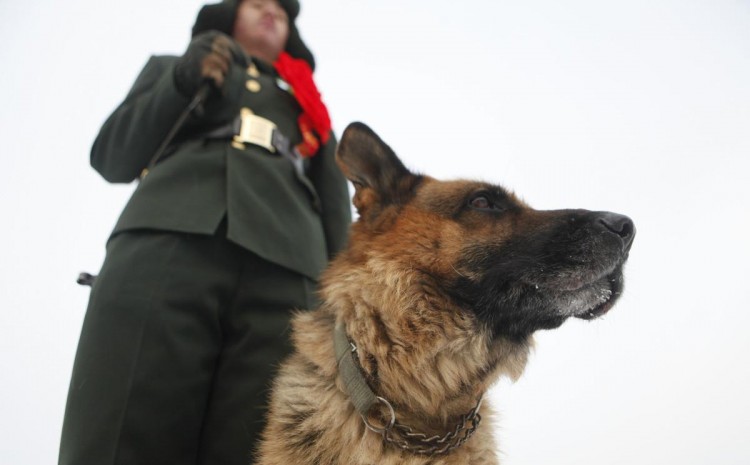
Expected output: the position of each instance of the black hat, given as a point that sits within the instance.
(221, 17)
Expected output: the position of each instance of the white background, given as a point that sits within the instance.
(640, 107)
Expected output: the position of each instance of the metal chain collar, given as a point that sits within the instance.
(396, 434)
(405, 438)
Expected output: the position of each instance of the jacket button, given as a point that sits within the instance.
(253, 86)
(252, 70)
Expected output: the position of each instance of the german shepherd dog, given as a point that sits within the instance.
(437, 295)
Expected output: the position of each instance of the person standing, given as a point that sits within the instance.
(225, 235)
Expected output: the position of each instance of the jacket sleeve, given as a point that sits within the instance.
(133, 132)
(131, 135)
(333, 191)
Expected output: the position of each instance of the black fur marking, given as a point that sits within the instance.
(372, 371)
(293, 421)
(371, 163)
(530, 281)
(300, 436)
(382, 328)
(307, 439)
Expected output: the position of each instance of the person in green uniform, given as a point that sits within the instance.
(224, 236)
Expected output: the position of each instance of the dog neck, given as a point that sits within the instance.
(408, 438)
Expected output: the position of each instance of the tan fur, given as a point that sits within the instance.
(409, 290)
(434, 361)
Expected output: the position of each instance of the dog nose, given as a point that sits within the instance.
(620, 225)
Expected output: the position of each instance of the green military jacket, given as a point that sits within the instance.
(297, 221)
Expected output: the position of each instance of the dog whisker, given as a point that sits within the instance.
(458, 272)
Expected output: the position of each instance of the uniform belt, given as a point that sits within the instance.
(249, 128)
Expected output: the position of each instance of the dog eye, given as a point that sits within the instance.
(481, 202)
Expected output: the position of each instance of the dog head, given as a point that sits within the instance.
(463, 268)
(517, 269)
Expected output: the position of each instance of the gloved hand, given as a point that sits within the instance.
(207, 58)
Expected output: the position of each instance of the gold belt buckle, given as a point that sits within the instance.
(254, 129)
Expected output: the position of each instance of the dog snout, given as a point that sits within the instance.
(620, 225)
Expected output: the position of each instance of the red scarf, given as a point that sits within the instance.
(314, 118)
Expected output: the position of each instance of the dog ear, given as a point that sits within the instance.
(378, 176)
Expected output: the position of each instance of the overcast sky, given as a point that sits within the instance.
(640, 107)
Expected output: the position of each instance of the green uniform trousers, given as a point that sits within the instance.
(179, 344)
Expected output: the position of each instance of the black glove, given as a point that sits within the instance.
(207, 58)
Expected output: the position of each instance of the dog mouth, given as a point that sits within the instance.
(607, 301)
(591, 299)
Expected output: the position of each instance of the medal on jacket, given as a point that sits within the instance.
(283, 85)
(252, 70)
